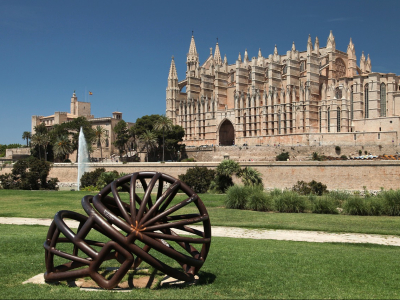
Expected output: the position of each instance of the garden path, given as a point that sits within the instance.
(267, 234)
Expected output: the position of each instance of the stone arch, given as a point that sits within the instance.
(226, 133)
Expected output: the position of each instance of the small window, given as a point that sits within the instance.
(379, 136)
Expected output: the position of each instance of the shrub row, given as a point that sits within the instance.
(334, 202)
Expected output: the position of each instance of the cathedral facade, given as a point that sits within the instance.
(320, 96)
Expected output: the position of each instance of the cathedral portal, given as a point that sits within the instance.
(226, 134)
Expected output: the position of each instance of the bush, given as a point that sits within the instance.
(284, 156)
(90, 178)
(289, 202)
(198, 178)
(220, 184)
(106, 178)
(391, 202)
(343, 157)
(338, 197)
(302, 188)
(371, 206)
(317, 188)
(323, 205)
(237, 197)
(337, 148)
(29, 174)
(188, 160)
(316, 156)
(259, 201)
(223, 179)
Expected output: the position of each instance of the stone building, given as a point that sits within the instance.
(83, 109)
(319, 96)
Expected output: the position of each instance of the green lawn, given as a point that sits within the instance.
(44, 204)
(235, 268)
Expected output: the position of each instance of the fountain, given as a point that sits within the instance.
(82, 156)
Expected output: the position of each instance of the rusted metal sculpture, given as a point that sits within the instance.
(131, 230)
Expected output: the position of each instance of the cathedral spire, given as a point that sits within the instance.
(362, 62)
(192, 48)
(240, 57)
(368, 65)
(246, 56)
(172, 70)
(259, 52)
(331, 41)
(309, 44)
(217, 55)
(275, 50)
(316, 45)
(293, 47)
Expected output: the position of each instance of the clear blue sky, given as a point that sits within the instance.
(121, 50)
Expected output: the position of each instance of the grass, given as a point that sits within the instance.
(272, 269)
(44, 204)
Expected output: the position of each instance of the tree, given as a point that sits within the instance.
(122, 136)
(163, 124)
(29, 174)
(198, 178)
(250, 177)
(62, 147)
(225, 170)
(149, 139)
(100, 134)
(27, 136)
(38, 140)
(172, 138)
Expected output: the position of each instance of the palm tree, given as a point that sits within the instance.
(46, 141)
(165, 124)
(27, 136)
(37, 140)
(250, 177)
(100, 134)
(62, 146)
(149, 139)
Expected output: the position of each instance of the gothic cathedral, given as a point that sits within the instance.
(315, 97)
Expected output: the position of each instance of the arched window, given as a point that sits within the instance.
(279, 122)
(351, 104)
(284, 70)
(383, 100)
(338, 93)
(320, 120)
(329, 119)
(338, 120)
(302, 66)
(366, 101)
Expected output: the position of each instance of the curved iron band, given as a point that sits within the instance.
(128, 243)
(96, 258)
(195, 263)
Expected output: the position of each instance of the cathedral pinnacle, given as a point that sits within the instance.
(331, 41)
(240, 57)
(172, 70)
(259, 52)
(246, 56)
(217, 55)
(225, 60)
(192, 48)
(275, 50)
(309, 44)
(293, 47)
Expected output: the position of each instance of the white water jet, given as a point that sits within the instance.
(82, 156)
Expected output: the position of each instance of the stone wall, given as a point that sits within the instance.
(242, 153)
(344, 175)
